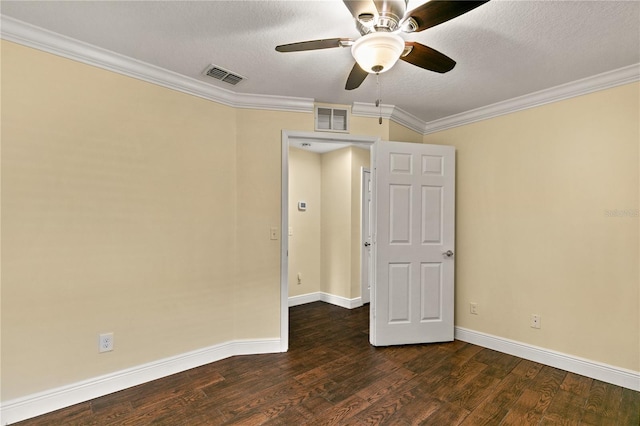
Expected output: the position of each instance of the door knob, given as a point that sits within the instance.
(448, 253)
(367, 244)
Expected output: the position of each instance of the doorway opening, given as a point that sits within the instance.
(291, 138)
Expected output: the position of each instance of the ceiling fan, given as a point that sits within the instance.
(379, 22)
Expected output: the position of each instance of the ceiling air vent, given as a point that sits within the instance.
(223, 75)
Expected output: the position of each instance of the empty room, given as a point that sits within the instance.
(320, 212)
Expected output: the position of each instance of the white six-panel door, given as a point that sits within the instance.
(414, 202)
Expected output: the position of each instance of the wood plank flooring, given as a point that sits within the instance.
(332, 376)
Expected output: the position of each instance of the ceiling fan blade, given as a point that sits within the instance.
(356, 77)
(313, 45)
(428, 58)
(436, 12)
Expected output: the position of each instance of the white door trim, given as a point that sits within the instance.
(365, 205)
(288, 136)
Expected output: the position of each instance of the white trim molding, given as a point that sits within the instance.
(44, 402)
(303, 299)
(341, 301)
(38, 38)
(363, 109)
(320, 296)
(576, 88)
(32, 36)
(573, 89)
(390, 112)
(596, 370)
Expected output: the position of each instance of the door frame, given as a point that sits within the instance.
(312, 137)
(364, 209)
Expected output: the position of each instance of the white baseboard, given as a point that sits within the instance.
(304, 299)
(320, 296)
(596, 370)
(341, 301)
(44, 402)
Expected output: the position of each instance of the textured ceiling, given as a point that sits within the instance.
(504, 49)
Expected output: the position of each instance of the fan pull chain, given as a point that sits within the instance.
(379, 100)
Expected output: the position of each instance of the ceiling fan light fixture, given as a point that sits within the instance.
(377, 52)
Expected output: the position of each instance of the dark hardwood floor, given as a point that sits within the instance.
(331, 375)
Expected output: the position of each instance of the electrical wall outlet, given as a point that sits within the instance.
(105, 342)
(473, 308)
(535, 320)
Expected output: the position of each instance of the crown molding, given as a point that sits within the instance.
(38, 38)
(576, 88)
(390, 112)
(573, 89)
(363, 109)
(408, 120)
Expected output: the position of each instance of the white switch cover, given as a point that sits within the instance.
(473, 308)
(274, 233)
(290, 231)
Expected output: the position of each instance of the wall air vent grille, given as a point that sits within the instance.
(223, 75)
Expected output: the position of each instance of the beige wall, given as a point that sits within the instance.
(134, 209)
(368, 126)
(118, 216)
(533, 232)
(399, 133)
(340, 261)
(336, 222)
(258, 157)
(304, 245)
(325, 246)
(360, 158)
